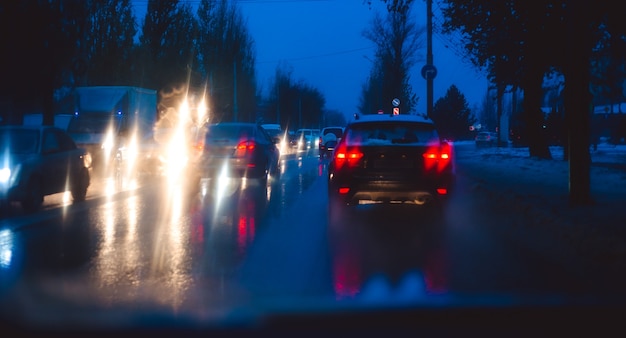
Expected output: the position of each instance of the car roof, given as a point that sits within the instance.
(390, 118)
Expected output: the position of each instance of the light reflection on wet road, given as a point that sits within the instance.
(147, 243)
(153, 246)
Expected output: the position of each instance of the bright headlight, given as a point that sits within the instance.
(5, 175)
(107, 144)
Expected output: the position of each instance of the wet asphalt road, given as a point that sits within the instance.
(151, 245)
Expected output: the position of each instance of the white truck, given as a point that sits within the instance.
(114, 123)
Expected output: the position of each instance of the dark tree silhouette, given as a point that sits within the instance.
(452, 115)
(294, 104)
(397, 38)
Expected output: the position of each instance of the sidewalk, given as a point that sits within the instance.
(536, 193)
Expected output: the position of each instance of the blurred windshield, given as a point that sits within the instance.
(193, 217)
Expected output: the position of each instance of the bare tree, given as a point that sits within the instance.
(397, 38)
(228, 59)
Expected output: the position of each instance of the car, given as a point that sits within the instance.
(38, 161)
(329, 137)
(486, 139)
(384, 159)
(305, 138)
(239, 149)
(278, 135)
(274, 130)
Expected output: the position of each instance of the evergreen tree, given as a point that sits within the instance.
(452, 115)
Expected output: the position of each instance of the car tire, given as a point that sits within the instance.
(79, 189)
(264, 175)
(34, 197)
(276, 171)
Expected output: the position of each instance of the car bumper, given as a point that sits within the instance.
(230, 167)
(419, 192)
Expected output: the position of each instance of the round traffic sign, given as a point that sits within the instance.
(396, 102)
(429, 72)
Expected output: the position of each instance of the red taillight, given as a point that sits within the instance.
(438, 157)
(442, 191)
(199, 148)
(351, 157)
(344, 191)
(244, 148)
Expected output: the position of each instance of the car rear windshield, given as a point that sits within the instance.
(391, 133)
(230, 131)
(274, 132)
(17, 141)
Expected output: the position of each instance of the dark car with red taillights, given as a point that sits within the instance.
(391, 159)
(238, 149)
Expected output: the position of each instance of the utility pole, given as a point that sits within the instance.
(278, 103)
(429, 71)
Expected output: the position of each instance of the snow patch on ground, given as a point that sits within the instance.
(536, 193)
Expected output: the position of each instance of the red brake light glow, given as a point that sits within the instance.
(245, 148)
(351, 157)
(438, 157)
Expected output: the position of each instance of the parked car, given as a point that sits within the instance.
(486, 139)
(329, 137)
(38, 161)
(241, 149)
(386, 159)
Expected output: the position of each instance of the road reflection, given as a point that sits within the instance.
(233, 207)
(387, 254)
(6, 248)
(164, 247)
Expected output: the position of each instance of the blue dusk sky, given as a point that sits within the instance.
(321, 40)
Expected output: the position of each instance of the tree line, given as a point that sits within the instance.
(56, 45)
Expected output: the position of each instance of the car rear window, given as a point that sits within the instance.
(230, 131)
(392, 133)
